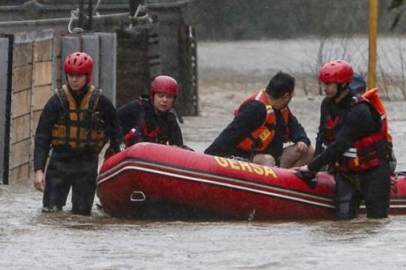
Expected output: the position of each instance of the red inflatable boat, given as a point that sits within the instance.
(164, 181)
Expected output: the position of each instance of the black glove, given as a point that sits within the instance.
(112, 150)
(308, 177)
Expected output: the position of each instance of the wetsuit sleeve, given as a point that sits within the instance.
(43, 134)
(251, 116)
(319, 136)
(128, 115)
(175, 133)
(359, 123)
(109, 116)
(297, 132)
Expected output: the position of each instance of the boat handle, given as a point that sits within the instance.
(137, 196)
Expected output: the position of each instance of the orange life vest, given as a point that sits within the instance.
(260, 138)
(367, 152)
(79, 128)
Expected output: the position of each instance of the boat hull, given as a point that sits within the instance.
(160, 181)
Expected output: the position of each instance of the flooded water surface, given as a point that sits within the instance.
(32, 240)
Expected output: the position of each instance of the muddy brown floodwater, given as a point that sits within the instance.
(36, 241)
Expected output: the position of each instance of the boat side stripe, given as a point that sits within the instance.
(396, 206)
(195, 179)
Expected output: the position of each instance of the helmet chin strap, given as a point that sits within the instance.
(340, 88)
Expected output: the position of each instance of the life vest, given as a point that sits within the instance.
(372, 96)
(261, 138)
(79, 128)
(367, 152)
(143, 131)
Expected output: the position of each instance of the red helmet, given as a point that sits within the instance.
(164, 84)
(79, 63)
(336, 71)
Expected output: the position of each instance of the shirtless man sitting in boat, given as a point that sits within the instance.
(263, 123)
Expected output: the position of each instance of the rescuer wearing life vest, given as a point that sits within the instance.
(333, 112)
(358, 148)
(262, 124)
(76, 123)
(152, 119)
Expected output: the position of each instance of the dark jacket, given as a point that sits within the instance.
(140, 113)
(52, 112)
(251, 116)
(361, 121)
(331, 114)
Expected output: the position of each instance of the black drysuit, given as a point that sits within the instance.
(76, 168)
(372, 185)
(150, 126)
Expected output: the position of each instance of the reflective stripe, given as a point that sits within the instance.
(259, 95)
(350, 155)
(351, 152)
